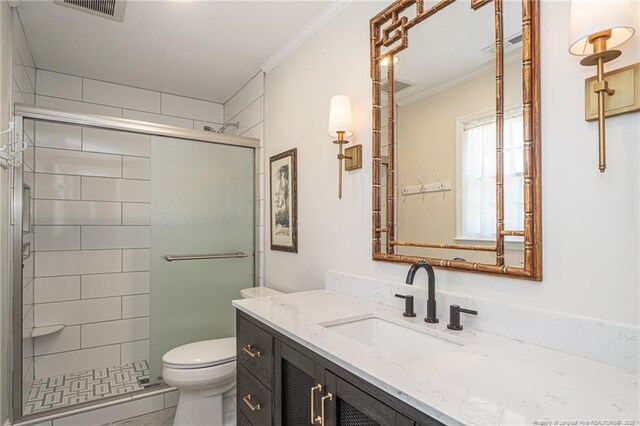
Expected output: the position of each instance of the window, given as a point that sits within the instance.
(477, 174)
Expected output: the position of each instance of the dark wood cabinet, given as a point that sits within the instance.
(307, 389)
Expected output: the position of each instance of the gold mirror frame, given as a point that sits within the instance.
(389, 30)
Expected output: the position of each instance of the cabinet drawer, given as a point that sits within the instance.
(254, 399)
(255, 351)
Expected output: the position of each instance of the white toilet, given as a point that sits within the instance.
(205, 374)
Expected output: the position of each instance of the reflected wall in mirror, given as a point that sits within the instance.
(456, 165)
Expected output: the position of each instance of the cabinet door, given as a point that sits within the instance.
(295, 376)
(350, 406)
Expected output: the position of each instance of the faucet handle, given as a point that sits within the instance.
(454, 317)
(408, 305)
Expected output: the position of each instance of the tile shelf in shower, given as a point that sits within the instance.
(47, 330)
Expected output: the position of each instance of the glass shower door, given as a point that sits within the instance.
(202, 203)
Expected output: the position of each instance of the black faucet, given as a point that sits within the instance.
(408, 305)
(431, 301)
(454, 317)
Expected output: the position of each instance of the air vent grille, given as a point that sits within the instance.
(110, 9)
(516, 39)
(106, 7)
(509, 42)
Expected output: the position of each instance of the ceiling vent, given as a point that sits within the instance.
(509, 42)
(110, 9)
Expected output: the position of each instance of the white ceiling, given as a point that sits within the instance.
(201, 49)
(448, 47)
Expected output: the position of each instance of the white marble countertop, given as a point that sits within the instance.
(490, 380)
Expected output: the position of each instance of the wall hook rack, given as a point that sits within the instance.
(425, 188)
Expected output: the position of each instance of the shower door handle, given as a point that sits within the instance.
(172, 258)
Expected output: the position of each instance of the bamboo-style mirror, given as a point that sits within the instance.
(456, 139)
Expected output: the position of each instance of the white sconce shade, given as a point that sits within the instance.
(593, 16)
(340, 116)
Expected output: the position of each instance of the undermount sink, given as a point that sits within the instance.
(394, 341)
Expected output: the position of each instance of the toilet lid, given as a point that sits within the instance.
(206, 353)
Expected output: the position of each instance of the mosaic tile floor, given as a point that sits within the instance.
(75, 388)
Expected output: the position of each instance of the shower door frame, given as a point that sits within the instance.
(23, 111)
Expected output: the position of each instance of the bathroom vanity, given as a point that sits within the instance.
(283, 382)
(326, 358)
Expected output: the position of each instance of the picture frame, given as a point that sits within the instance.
(283, 190)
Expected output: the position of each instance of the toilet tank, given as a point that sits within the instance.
(250, 293)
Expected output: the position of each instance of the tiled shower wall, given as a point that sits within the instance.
(246, 107)
(92, 247)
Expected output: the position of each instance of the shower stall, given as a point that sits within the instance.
(129, 239)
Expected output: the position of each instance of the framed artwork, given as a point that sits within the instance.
(283, 180)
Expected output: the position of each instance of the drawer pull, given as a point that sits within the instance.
(252, 353)
(328, 396)
(314, 420)
(250, 404)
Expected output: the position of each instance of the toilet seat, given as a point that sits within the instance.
(204, 354)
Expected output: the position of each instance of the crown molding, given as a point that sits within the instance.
(327, 14)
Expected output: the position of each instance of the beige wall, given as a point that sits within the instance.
(590, 220)
(427, 135)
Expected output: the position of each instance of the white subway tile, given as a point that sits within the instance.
(102, 285)
(27, 293)
(135, 260)
(134, 351)
(57, 187)
(78, 311)
(106, 333)
(136, 213)
(245, 96)
(29, 98)
(248, 118)
(158, 119)
(77, 106)
(171, 399)
(180, 106)
(102, 189)
(51, 238)
(100, 92)
(59, 263)
(66, 340)
(21, 78)
(31, 72)
(254, 132)
(59, 85)
(20, 41)
(57, 289)
(75, 361)
(17, 97)
(16, 55)
(114, 237)
(135, 306)
(114, 413)
(53, 135)
(115, 142)
(61, 161)
(136, 168)
(62, 212)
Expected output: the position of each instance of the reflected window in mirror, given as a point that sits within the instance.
(456, 165)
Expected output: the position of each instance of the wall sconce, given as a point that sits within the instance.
(596, 27)
(340, 127)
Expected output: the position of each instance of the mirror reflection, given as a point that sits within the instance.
(445, 146)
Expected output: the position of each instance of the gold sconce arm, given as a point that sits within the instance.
(600, 56)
